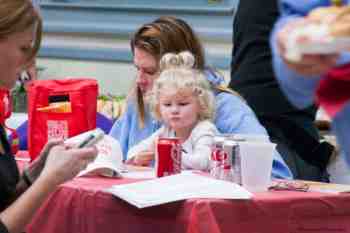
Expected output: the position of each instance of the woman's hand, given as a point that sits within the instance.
(143, 158)
(308, 65)
(311, 65)
(34, 170)
(63, 164)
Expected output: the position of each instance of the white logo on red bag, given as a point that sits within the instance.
(57, 129)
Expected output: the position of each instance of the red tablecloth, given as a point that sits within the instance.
(81, 206)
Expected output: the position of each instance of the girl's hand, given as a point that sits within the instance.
(143, 158)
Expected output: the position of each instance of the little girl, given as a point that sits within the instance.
(182, 100)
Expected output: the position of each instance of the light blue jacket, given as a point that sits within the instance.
(232, 115)
(299, 89)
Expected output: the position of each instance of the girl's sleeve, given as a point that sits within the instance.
(145, 145)
(202, 140)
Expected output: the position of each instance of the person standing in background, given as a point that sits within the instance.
(252, 76)
(301, 80)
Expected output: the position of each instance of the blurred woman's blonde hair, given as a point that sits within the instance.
(17, 16)
(178, 73)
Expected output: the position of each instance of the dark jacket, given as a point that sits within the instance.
(252, 76)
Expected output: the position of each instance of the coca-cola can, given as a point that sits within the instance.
(217, 156)
(233, 161)
(168, 156)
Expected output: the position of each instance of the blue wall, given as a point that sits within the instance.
(120, 18)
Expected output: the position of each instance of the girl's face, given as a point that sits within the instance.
(179, 109)
(147, 70)
(15, 50)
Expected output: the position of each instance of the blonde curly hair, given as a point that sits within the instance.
(177, 72)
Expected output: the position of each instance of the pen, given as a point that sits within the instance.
(86, 141)
(94, 137)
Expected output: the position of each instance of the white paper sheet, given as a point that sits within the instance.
(109, 159)
(177, 187)
(137, 172)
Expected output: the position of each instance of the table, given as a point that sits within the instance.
(81, 206)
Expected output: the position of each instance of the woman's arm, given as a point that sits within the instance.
(298, 88)
(62, 164)
(22, 210)
(233, 115)
(30, 174)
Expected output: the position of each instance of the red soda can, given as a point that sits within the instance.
(168, 156)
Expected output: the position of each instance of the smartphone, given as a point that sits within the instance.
(94, 137)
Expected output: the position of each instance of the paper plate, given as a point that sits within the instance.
(325, 46)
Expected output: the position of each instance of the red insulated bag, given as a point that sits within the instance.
(59, 109)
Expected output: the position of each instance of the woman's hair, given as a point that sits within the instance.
(178, 73)
(165, 35)
(17, 16)
(168, 34)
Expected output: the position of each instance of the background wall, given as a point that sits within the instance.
(90, 38)
(113, 77)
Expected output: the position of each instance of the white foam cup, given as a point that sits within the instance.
(256, 165)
